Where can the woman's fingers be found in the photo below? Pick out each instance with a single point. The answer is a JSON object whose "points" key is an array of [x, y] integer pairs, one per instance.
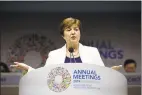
{"points": [[16, 63], [13, 66]]}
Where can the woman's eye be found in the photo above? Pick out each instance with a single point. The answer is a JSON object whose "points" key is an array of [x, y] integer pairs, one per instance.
{"points": [[68, 29], [76, 29]]}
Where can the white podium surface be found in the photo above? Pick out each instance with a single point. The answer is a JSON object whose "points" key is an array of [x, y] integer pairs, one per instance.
{"points": [[73, 79]]}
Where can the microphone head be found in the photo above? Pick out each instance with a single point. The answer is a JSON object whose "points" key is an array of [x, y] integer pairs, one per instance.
{"points": [[71, 50]]}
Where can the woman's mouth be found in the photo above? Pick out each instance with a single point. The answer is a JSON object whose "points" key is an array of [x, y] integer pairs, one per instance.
{"points": [[73, 37]]}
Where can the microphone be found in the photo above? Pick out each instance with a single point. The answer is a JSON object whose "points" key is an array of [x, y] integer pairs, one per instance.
{"points": [[71, 50]]}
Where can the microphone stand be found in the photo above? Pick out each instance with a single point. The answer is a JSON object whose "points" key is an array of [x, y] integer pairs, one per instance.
{"points": [[71, 50]]}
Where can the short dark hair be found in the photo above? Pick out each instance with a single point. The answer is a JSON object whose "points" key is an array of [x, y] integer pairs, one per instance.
{"points": [[129, 61], [68, 22], [4, 66]]}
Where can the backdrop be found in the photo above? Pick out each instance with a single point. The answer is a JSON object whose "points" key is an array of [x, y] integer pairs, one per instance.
{"points": [[117, 36]]}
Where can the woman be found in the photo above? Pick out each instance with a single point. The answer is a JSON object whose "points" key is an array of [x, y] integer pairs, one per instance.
{"points": [[70, 30]]}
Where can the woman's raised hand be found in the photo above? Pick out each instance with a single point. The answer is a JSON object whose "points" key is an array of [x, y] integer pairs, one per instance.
{"points": [[20, 66]]}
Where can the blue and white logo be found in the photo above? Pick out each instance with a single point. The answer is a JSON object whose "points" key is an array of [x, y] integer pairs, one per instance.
{"points": [[86, 79]]}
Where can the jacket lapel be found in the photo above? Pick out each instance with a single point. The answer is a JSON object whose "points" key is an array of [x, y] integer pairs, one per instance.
{"points": [[81, 52], [62, 55]]}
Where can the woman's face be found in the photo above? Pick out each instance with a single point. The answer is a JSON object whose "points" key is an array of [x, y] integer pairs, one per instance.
{"points": [[72, 34]]}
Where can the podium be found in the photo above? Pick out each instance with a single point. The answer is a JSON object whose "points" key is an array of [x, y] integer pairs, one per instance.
{"points": [[73, 79]]}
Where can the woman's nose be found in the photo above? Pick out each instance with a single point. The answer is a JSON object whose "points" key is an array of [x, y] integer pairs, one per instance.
{"points": [[72, 32]]}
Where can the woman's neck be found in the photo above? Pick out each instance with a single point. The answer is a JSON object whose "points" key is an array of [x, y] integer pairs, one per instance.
{"points": [[75, 46]]}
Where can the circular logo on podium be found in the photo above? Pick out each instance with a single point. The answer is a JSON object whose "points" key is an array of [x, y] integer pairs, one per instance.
{"points": [[58, 79]]}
